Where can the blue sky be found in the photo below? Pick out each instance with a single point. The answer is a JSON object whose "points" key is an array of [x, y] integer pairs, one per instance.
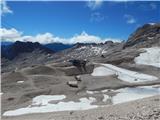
{"points": [[66, 19]]}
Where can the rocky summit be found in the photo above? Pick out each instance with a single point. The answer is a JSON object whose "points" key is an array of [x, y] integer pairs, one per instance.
{"points": [[145, 36]]}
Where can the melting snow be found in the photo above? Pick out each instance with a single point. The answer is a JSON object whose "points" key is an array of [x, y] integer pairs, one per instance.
{"points": [[130, 94], [150, 57], [45, 106], [123, 74], [81, 48], [40, 104], [20, 81], [44, 99], [106, 97], [91, 92], [102, 71], [103, 52], [97, 50]]}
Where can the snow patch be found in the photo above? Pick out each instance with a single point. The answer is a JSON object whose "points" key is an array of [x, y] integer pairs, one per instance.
{"points": [[20, 81], [150, 57], [96, 50], [130, 94], [103, 52], [130, 76], [123, 74], [105, 97], [45, 106], [91, 92], [102, 71], [44, 99], [81, 48]]}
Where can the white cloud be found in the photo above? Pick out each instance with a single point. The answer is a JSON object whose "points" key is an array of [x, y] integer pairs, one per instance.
{"points": [[94, 4], [97, 17], [85, 38], [13, 35], [4, 8], [129, 19], [10, 34]]}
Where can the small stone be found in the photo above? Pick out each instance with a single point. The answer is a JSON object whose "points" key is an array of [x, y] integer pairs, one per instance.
{"points": [[73, 83], [71, 112], [100, 118]]}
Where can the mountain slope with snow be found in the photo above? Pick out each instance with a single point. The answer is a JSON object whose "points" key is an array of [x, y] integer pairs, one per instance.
{"points": [[151, 56]]}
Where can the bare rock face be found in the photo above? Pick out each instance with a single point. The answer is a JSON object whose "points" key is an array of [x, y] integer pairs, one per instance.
{"points": [[145, 36]]}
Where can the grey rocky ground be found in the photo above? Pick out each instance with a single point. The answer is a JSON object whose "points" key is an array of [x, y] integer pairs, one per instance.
{"points": [[48, 75]]}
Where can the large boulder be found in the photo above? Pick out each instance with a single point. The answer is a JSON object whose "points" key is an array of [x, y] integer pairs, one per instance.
{"points": [[73, 83]]}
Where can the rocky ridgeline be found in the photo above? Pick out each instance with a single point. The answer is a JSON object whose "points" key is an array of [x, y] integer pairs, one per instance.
{"points": [[145, 36], [27, 53], [13, 50]]}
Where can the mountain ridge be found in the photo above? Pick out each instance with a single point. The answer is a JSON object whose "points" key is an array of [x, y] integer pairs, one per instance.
{"points": [[13, 50]]}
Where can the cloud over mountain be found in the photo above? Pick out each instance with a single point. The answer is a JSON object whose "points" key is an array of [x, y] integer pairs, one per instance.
{"points": [[13, 35]]}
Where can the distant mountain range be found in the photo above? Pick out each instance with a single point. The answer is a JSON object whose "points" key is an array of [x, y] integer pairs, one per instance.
{"points": [[58, 46], [11, 50], [28, 53]]}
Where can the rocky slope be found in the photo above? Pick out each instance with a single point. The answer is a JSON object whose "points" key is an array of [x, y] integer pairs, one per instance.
{"points": [[87, 51], [22, 54], [145, 36], [123, 78]]}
